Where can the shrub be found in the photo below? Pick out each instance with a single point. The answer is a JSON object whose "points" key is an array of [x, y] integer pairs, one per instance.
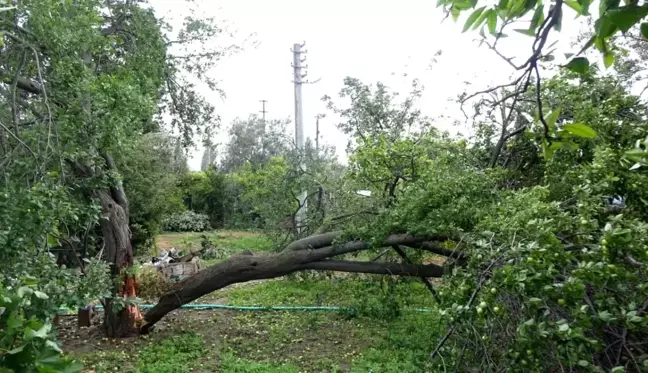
{"points": [[187, 221], [151, 283]]}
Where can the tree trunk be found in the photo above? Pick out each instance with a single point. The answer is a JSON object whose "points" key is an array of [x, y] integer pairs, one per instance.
{"points": [[118, 251]]}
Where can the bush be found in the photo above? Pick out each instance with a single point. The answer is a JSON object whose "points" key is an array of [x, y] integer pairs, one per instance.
{"points": [[187, 221], [152, 284]]}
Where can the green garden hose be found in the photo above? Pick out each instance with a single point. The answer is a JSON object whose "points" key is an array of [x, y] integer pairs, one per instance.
{"points": [[197, 306]]}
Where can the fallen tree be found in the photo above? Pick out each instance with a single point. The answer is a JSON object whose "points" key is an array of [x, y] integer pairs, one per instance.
{"points": [[311, 253]]}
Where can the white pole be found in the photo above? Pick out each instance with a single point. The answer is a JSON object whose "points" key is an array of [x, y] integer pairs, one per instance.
{"points": [[263, 130], [301, 216]]}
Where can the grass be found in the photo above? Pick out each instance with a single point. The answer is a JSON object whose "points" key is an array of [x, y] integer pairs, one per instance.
{"points": [[376, 336], [232, 240], [336, 291], [226, 243], [274, 342]]}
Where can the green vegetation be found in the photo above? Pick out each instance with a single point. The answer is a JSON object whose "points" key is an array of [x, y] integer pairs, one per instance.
{"points": [[187, 221], [376, 337], [27, 343], [535, 228], [229, 241]]}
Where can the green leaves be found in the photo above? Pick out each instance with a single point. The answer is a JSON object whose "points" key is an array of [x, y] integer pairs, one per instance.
{"points": [[644, 30], [536, 20], [581, 130], [27, 343], [574, 5], [605, 5], [579, 65], [604, 28], [472, 18], [614, 18], [580, 6], [526, 32], [24, 291], [538, 17], [552, 118], [481, 19], [608, 59], [51, 344], [492, 21], [549, 149], [626, 17], [40, 333]]}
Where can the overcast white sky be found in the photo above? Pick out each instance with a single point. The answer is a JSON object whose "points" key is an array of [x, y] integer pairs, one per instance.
{"points": [[366, 39]]}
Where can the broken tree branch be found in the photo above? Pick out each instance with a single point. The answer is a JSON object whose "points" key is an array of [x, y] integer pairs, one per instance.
{"points": [[394, 269], [326, 239], [427, 283], [243, 268], [22, 83]]}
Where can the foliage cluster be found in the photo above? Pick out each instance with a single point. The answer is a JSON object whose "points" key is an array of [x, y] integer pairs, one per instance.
{"points": [[187, 221], [151, 170], [210, 192], [28, 343], [152, 283]]}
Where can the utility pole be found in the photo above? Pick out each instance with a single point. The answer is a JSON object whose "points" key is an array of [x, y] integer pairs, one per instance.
{"points": [[302, 214], [263, 124], [263, 110], [317, 131], [317, 134]]}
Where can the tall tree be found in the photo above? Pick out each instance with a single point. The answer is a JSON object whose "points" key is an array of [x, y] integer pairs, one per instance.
{"points": [[254, 140], [81, 81], [209, 156]]}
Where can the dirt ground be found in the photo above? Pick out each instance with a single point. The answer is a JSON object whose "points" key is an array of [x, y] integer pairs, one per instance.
{"points": [[308, 340]]}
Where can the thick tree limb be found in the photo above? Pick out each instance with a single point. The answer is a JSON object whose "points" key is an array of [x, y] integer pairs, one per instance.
{"points": [[116, 190], [326, 239], [22, 83], [313, 242], [395, 269], [5, 92]]}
